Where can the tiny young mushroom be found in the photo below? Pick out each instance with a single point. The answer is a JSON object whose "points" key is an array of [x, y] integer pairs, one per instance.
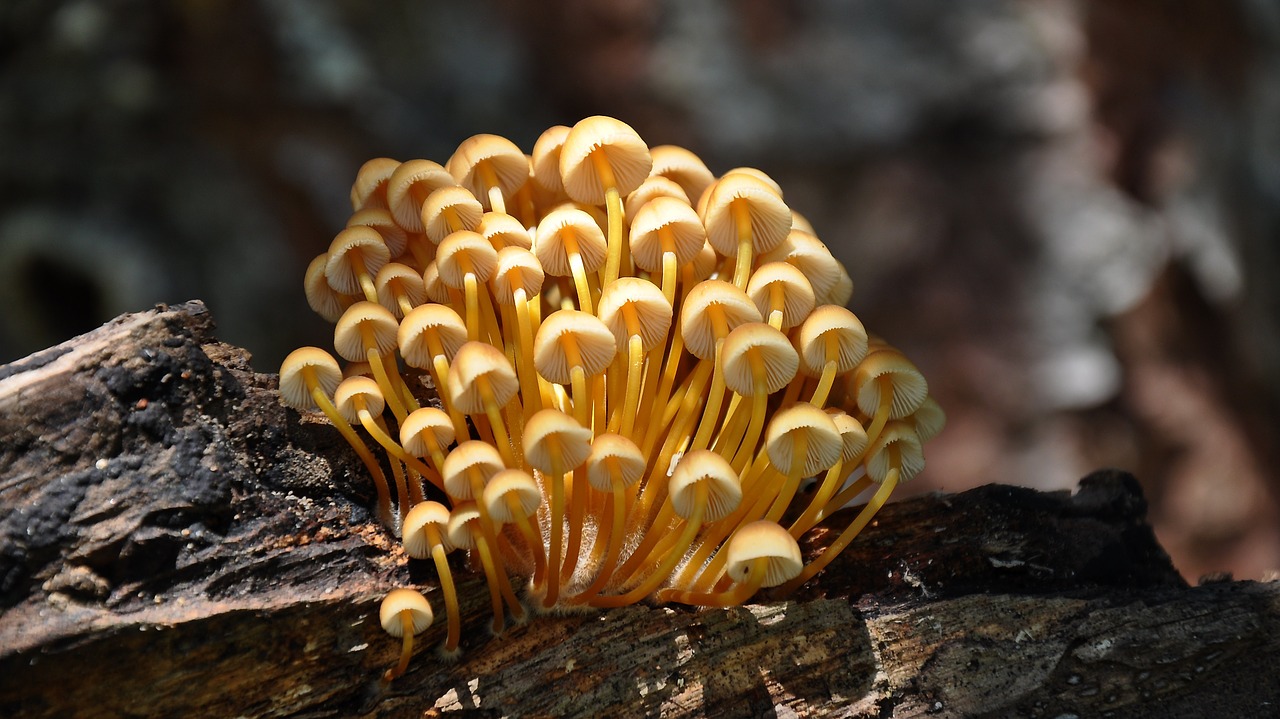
{"points": [[555, 444], [425, 536], [308, 378], [403, 614], [758, 361], [516, 282], [782, 293], [321, 297], [854, 442], [760, 554]]}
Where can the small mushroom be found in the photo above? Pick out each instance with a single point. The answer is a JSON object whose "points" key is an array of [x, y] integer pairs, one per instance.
{"points": [[429, 337], [682, 166], [831, 341], [760, 554], [379, 220], [355, 256], [467, 530], [758, 360], [400, 288], [886, 385], [448, 210], [516, 283], [370, 186], [367, 332], [511, 497], [425, 536], [466, 261], [782, 293], [614, 464], [491, 167], [571, 347], [569, 243], [556, 444], [321, 298], [639, 316], [409, 187], [744, 217], [483, 382], [403, 614]]}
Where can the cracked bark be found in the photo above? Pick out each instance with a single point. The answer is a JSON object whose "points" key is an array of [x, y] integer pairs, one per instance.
{"points": [[174, 542]]}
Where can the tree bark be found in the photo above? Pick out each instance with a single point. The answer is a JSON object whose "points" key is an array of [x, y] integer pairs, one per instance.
{"points": [[175, 542]]}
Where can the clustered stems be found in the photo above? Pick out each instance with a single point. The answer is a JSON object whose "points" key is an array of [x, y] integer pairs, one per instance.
{"points": [[637, 365]]}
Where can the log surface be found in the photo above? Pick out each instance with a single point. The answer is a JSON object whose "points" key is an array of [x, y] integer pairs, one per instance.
{"points": [[174, 542]]}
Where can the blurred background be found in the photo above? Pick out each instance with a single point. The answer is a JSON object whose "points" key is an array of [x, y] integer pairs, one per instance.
{"points": [[1066, 212]]}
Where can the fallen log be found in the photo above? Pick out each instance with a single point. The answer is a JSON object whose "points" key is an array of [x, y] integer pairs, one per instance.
{"points": [[176, 543]]}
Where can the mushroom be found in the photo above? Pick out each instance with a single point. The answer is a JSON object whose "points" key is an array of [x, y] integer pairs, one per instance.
{"points": [[429, 338], [468, 531], [853, 443], [355, 256], [758, 360], [308, 377], [516, 283], [546, 158], [450, 209], [427, 432], [403, 614], [569, 243], [831, 341], [896, 456], [638, 315], [367, 331], [466, 261], [555, 444], [703, 488], [653, 187], [601, 160], [570, 347], [614, 464], [379, 220], [321, 298], [683, 167], [744, 217], [503, 230], [782, 294], [666, 234], [887, 386], [491, 167], [358, 399], [370, 186], [760, 554], [399, 288], [483, 382], [807, 253], [710, 311], [425, 529], [409, 187], [511, 497]]}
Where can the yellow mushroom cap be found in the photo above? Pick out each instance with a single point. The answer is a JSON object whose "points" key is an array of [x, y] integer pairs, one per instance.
{"points": [[705, 262], [321, 298], [464, 526], [619, 451], [511, 483], [293, 388], [824, 441], [836, 321], [928, 419], [517, 268], [705, 301], [759, 174], [546, 158], [479, 254], [357, 369], [503, 230], [797, 293], [909, 386], [724, 491], [437, 291], [549, 243], [347, 337], [801, 223], [441, 320], [466, 208], [595, 343], [405, 600], [423, 426], [370, 186], [416, 542], [763, 540], [509, 164], [812, 258], [352, 392], [682, 166], [852, 434], [627, 155], [652, 311], [770, 216], [654, 186], [472, 454], [396, 276], [686, 229], [379, 220], [408, 188], [373, 252], [480, 359], [551, 428], [842, 290], [770, 346], [898, 437]]}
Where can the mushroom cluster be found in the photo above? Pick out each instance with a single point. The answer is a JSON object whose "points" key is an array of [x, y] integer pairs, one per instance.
{"points": [[646, 383]]}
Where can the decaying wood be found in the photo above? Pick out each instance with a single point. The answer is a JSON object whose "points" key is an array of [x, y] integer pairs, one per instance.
{"points": [[175, 543]]}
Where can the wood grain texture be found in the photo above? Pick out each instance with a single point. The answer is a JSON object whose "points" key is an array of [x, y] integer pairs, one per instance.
{"points": [[176, 543]]}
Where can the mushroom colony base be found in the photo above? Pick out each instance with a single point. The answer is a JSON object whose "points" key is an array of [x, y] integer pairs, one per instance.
{"points": [[646, 382]]}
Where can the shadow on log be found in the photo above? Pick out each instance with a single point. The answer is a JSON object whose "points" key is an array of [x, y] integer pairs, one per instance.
{"points": [[175, 542]]}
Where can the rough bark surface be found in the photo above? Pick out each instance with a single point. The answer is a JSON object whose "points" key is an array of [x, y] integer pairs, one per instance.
{"points": [[174, 542]]}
